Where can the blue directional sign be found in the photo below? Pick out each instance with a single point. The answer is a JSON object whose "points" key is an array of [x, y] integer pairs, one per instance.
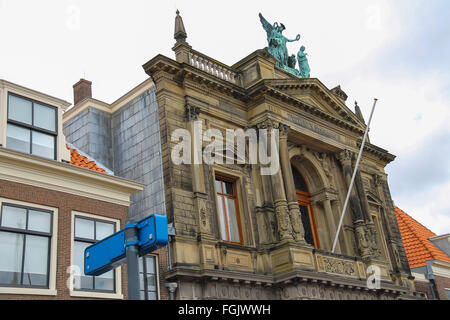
{"points": [[153, 234], [105, 255], [110, 252]]}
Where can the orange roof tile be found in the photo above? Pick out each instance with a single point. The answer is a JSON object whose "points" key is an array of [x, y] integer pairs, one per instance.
{"points": [[77, 159], [415, 239]]}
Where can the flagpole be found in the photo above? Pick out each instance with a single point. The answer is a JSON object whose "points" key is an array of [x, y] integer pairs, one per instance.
{"points": [[353, 177]]}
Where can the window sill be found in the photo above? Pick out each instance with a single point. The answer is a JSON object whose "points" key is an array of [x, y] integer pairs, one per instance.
{"points": [[99, 295], [30, 291]]}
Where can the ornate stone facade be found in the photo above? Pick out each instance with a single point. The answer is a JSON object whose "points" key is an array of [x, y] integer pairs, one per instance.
{"points": [[319, 137]]}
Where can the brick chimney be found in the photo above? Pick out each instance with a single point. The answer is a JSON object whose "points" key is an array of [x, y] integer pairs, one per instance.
{"points": [[82, 90]]}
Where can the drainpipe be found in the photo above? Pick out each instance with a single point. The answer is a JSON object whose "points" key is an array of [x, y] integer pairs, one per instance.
{"points": [[430, 277], [171, 232], [171, 286]]}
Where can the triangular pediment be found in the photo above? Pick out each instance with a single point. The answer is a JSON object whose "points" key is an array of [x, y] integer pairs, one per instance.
{"points": [[312, 92], [372, 198]]}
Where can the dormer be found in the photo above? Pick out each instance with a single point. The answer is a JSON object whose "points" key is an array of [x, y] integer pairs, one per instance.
{"points": [[31, 122]]}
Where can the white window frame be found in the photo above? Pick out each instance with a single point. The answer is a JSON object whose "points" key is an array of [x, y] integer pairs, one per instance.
{"points": [[157, 273], [118, 271], [51, 291]]}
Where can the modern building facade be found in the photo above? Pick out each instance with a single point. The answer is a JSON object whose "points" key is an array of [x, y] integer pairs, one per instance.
{"points": [[54, 202], [428, 256]]}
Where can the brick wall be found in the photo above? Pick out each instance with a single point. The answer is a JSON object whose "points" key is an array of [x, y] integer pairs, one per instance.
{"points": [[65, 203], [424, 286], [441, 284]]}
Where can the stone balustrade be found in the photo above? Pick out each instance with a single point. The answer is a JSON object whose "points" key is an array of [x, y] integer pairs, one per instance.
{"points": [[208, 65]]}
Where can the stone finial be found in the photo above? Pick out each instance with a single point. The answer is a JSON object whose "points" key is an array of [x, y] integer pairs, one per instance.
{"points": [[359, 113], [180, 32]]}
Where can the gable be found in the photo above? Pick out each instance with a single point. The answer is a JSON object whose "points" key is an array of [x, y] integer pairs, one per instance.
{"points": [[314, 93]]}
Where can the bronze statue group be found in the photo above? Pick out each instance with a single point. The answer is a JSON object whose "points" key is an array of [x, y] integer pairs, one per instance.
{"points": [[277, 48]]}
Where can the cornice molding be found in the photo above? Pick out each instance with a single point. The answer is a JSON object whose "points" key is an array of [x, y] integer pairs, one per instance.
{"points": [[50, 174]]}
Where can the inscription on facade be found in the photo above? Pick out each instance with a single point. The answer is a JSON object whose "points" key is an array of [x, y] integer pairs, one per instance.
{"points": [[313, 127]]}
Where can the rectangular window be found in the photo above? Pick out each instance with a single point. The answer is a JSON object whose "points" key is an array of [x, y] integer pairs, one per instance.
{"points": [[32, 127], [148, 277], [25, 235], [87, 232], [229, 218], [448, 293]]}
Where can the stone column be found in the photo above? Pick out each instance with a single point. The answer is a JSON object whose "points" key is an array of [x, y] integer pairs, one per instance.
{"points": [[198, 179], [291, 194], [278, 192], [372, 233], [330, 221], [345, 158], [348, 247]]}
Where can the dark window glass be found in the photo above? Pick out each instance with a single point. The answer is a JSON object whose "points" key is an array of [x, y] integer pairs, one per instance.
{"points": [[31, 127], [148, 278], [309, 237], [25, 235], [87, 232], [298, 181]]}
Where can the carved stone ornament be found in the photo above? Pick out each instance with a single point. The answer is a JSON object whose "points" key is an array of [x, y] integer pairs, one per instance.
{"points": [[345, 156], [373, 239], [298, 231], [376, 179], [336, 266], [192, 112], [362, 243], [284, 226], [268, 124], [284, 130]]}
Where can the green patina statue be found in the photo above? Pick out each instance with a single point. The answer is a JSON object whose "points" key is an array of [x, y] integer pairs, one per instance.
{"points": [[277, 48]]}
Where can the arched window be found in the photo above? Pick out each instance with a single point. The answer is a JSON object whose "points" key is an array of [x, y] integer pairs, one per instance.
{"points": [[306, 211]]}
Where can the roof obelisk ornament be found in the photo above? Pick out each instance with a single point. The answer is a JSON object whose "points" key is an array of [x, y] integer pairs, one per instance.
{"points": [[277, 48], [180, 31], [181, 47]]}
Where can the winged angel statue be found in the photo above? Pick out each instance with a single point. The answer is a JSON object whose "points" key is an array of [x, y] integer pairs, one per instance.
{"points": [[277, 48]]}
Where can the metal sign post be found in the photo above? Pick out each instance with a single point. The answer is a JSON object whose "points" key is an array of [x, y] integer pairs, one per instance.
{"points": [[353, 177], [132, 254], [126, 246]]}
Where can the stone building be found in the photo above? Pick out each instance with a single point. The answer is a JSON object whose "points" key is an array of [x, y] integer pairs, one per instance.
{"points": [[428, 257], [240, 234]]}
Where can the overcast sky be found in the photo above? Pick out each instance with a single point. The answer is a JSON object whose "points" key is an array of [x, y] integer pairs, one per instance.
{"points": [[397, 51]]}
